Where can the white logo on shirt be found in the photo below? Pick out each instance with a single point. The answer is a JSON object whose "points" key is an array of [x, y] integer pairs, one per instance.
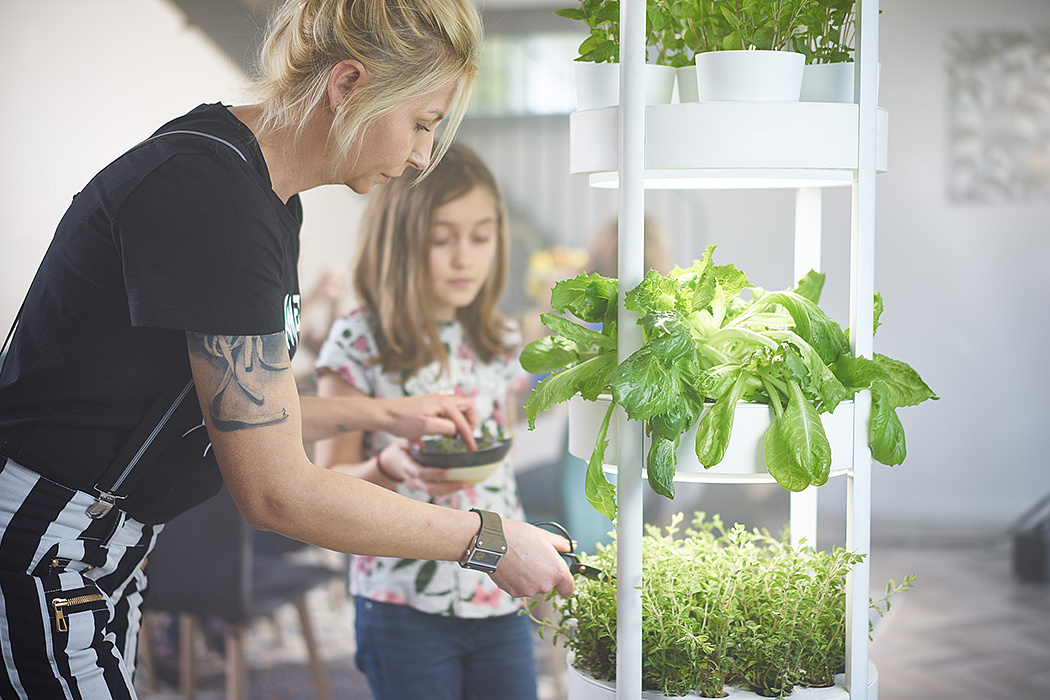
{"points": [[291, 320]]}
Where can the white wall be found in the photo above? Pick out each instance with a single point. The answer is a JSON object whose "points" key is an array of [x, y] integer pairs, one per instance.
{"points": [[965, 290], [83, 81], [964, 285]]}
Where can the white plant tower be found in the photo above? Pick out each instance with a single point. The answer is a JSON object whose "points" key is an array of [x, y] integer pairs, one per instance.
{"points": [[805, 146]]}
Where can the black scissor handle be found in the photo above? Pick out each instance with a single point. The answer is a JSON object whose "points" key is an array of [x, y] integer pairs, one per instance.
{"points": [[571, 558]]}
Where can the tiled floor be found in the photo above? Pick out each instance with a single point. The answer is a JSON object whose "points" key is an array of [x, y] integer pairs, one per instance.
{"points": [[967, 631]]}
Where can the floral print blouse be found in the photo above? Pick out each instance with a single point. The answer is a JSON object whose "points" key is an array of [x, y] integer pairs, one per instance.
{"points": [[437, 587]]}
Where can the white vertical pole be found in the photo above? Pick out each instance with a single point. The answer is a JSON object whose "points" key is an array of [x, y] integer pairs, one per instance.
{"points": [[803, 518], [629, 268], [808, 231], [862, 294]]}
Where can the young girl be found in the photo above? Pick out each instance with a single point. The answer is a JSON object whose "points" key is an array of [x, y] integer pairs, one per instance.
{"points": [[428, 323]]}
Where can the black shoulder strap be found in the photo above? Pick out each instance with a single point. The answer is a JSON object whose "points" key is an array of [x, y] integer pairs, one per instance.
{"points": [[11, 333], [148, 438], [145, 443]]}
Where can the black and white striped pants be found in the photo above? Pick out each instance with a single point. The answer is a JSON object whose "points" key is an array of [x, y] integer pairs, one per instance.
{"points": [[70, 592]]}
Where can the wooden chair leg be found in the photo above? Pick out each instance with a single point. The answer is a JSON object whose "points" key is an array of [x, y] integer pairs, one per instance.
{"points": [[188, 627], [236, 664], [145, 651], [316, 664]]}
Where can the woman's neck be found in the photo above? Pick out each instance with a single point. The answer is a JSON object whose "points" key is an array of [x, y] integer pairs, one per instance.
{"points": [[296, 164]]}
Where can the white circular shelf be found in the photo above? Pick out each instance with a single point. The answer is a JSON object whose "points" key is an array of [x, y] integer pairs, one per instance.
{"points": [[744, 460], [720, 145], [581, 686]]}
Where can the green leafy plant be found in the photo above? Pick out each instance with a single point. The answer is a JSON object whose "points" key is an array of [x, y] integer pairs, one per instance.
{"points": [[719, 607], [705, 348], [491, 433], [772, 25], [704, 27], [829, 33], [680, 29], [664, 43], [602, 18]]}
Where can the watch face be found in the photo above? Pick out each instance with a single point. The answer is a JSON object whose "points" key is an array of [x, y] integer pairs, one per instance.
{"points": [[484, 558]]}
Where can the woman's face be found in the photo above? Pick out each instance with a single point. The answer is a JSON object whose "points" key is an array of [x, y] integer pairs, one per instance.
{"points": [[398, 140], [464, 238]]}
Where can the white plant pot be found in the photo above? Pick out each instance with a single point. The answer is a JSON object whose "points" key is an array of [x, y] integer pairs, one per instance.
{"points": [[831, 82], [745, 455], [582, 686], [749, 76], [686, 81], [598, 84]]}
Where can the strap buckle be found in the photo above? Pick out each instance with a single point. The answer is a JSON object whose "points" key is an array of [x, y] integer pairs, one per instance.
{"points": [[102, 505]]}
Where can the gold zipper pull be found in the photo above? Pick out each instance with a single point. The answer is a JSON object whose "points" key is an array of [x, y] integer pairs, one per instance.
{"points": [[59, 604], [60, 615]]}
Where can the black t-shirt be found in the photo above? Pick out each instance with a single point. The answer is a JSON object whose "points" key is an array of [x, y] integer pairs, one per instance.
{"points": [[181, 233]]}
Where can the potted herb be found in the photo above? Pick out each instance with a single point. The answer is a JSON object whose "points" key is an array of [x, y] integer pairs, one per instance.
{"points": [[721, 609], [757, 59], [827, 43], [597, 66], [705, 349], [684, 29]]}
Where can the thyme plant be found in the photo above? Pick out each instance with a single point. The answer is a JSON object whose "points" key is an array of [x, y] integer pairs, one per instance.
{"points": [[719, 607]]}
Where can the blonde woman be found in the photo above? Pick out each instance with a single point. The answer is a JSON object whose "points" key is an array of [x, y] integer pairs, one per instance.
{"points": [[178, 261]]}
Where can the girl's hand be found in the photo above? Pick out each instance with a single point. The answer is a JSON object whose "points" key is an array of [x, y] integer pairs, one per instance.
{"points": [[413, 417], [397, 466]]}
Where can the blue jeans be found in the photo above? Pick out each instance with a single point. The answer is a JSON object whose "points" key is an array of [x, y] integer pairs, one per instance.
{"points": [[409, 654]]}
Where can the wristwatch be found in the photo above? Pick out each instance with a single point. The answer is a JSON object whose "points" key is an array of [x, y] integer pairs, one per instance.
{"points": [[488, 546]]}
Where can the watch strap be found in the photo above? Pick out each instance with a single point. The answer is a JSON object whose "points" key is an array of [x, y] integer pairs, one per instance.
{"points": [[490, 536], [488, 546]]}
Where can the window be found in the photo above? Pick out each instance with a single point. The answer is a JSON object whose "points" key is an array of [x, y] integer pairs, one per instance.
{"points": [[526, 74]]}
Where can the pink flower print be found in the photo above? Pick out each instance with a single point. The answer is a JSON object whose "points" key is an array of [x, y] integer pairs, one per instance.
{"points": [[450, 501], [485, 596], [517, 384], [497, 415], [361, 344], [364, 565], [344, 373], [465, 352], [386, 596]]}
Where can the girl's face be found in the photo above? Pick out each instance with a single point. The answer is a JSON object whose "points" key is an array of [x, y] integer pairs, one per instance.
{"points": [[464, 238]]}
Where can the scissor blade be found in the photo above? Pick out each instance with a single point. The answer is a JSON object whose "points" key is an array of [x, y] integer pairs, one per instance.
{"points": [[592, 573]]}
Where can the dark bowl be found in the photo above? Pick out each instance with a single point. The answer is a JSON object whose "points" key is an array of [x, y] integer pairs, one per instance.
{"points": [[428, 457]]}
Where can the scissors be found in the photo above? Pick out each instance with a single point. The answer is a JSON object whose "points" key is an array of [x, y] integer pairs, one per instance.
{"points": [[572, 559]]}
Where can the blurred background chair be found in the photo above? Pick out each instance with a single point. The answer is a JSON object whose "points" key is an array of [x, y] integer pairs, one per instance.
{"points": [[208, 564]]}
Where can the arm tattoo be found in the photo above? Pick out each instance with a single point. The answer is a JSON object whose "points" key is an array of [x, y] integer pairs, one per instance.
{"points": [[245, 368]]}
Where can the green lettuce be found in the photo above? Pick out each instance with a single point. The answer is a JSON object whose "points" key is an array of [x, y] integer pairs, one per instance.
{"points": [[707, 346]]}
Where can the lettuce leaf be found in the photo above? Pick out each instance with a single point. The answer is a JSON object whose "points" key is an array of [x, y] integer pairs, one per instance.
{"points": [[704, 344]]}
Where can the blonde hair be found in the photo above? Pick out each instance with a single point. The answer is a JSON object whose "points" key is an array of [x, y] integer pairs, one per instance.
{"points": [[409, 48], [392, 275]]}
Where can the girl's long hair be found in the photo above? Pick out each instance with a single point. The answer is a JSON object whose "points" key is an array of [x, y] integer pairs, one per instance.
{"points": [[392, 275]]}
